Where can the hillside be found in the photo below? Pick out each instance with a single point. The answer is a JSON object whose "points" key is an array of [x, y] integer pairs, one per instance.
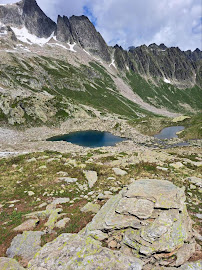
{"points": [[53, 70]]}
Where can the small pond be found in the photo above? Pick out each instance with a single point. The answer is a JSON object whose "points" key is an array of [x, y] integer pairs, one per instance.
{"points": [[169, 132], [89, 138]]}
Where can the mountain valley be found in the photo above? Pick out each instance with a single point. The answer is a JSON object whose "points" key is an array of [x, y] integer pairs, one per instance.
{"points": [[75, 202]]}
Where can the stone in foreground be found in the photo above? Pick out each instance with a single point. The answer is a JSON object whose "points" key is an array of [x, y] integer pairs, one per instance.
{"points": [[76, 252], [25, 245], [91, 207], [148, 219], [62, 223], [92, 177], [28, 225], [9, 264], [119, 171]]}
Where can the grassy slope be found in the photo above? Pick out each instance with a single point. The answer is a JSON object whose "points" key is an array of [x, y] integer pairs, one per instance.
{"points": [[153, 125], [89, 85], [166, 95]]}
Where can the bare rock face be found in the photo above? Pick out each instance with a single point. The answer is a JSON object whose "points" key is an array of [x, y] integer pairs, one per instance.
{"points": [[85, 34], [148, 219], [73, 251], [25, 245], [9, 264], [145, 226], [64, 33], [27, 13], [80, 30]]}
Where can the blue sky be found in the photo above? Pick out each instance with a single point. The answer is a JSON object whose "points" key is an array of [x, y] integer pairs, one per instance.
{"points": [[136, 22]]}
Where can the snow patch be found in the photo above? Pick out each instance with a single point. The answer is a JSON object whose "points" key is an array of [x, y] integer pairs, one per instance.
{"points": [[57, 44], [3, 33], [24, 36], [112, 63], [87, 52], [71, 47], [166, 80], [21, 46]]}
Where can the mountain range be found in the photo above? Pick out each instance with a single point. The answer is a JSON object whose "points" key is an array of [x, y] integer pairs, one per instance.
{"points": [[52, 71]]}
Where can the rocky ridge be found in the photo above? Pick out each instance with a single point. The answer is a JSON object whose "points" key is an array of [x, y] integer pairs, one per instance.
{"points": [[70, 59], [27, 13]]}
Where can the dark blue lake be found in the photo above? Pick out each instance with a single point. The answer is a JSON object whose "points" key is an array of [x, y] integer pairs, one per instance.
{"points": [[169, 132], [89, 138]]}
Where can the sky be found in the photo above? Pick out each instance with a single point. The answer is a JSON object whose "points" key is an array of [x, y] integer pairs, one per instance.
{"points": [[127, 23]]}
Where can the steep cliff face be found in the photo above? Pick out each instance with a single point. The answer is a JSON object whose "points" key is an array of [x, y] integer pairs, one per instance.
{"points": [[159, 62], [80, 30], [63, 32], [12, 14], [27, 14], [86, 35]]}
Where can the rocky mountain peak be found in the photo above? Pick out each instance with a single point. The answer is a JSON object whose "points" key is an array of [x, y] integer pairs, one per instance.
{"points": [[27, 14], [84, 33], [80, 29], [162, 46], [63, 32]]}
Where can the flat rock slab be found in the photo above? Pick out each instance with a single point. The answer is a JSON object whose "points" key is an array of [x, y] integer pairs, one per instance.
{"points": [[177, 165], [152, 219], [28, 225], [164, 194], [107, 218], [53, 218], [9, 264], [92, 177], [60, 201], [91, 207], [140, 208], [119, 172], [25, 245], [62, 223], [187, 266], [72, 251], [68, 180]]}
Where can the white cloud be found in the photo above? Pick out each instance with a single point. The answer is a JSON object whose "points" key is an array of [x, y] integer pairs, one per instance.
{"points": [[133, 22], [129, 22]]}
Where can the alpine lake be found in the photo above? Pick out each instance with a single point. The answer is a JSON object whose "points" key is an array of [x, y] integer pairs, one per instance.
{"points": [[94, 138]]}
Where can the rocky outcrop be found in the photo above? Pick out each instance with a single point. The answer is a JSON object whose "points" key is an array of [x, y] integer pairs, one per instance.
{"points": [[9, 264], [80, 30], [170, 64], [73, 251], [86, 35], [27, 13], [25, 245], [63, 32], [145, 226], [149, 219], [91, 177]]}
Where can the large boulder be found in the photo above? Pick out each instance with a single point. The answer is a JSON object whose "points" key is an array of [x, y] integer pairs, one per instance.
{"points": [[148, 219], [9, 264], [25, 245], [76, 252]]}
